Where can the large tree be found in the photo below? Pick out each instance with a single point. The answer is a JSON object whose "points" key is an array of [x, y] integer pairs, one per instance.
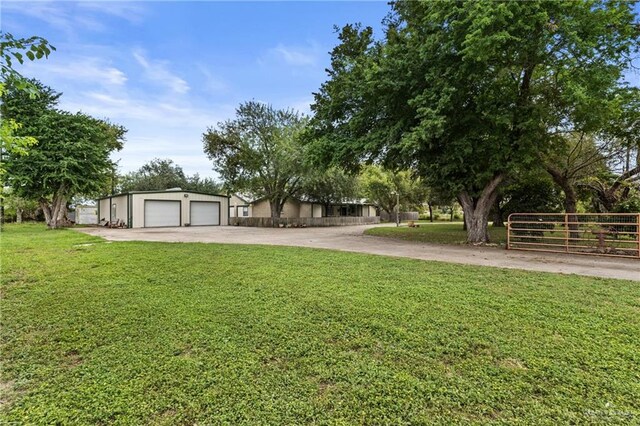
{"points": [[70, 159], [159, 174], [330, 186], [467, 92], [384, 188], [259, 153], [16, 50]]}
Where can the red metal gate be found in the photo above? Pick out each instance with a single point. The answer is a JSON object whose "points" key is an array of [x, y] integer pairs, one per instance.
{"points": [[600, 234]]}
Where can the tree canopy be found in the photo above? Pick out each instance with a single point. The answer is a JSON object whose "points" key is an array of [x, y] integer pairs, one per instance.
{"points": [[468, 92], [330, 186], [72, 156], [160, 174], [384, 188], [17, 49], [259, 152]]}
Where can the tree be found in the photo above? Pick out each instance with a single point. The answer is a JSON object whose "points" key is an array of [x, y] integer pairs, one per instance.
{"points": [[259, 153], [575, 161], [13, 49], [330, 186], [384, 188], [71, 158], [160, 174], [468, 92], [532, 191], [16, 49], [19, 208]]}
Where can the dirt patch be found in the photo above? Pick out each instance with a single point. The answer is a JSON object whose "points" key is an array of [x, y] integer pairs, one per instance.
{"points": [[72, 359], [511, 364]]}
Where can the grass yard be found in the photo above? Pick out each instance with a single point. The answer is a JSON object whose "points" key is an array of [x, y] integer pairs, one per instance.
{"points": [[159, 333], [437, 232]]}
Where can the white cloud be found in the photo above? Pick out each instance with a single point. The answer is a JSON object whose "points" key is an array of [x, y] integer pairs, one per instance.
{"points": [[89, 69], [157, 129], [158, 72], [212, 84], [132, 12], [69, 17], [47, 11], [296, 56]]}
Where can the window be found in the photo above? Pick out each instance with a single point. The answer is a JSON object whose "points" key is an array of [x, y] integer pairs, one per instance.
{"points": [[245, 211]]}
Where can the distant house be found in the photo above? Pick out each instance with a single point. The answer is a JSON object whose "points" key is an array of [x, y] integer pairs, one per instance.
{"points": [[243, 206]]}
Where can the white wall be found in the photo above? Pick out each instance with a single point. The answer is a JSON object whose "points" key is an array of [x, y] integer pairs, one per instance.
{"points": [[139, 198]]}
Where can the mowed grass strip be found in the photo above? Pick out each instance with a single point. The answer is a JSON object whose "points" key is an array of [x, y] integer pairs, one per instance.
{"points": [[437, 232], [159, 333]]}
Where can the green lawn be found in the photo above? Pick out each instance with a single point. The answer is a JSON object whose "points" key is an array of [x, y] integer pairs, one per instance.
{"points": [[437, 232], [159, 333]]}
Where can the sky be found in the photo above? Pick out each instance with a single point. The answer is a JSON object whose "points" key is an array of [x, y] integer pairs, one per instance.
{"points": [[169, 70]]}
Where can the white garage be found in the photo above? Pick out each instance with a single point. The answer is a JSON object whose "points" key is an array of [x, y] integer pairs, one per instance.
{"points": [[205, 213], [158, 213], [153, 209]]}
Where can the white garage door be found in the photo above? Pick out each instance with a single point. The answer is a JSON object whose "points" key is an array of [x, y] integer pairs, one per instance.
{"points": [[205, 213], [161, 213]]}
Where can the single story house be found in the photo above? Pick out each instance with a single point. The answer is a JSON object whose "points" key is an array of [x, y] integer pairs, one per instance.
{"points": [[243, 206], [240, 206], [173, 207]]}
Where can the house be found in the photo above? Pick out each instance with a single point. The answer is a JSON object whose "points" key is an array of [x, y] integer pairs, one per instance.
{"points": [[173, 207], [244, 206], [239, 206]]}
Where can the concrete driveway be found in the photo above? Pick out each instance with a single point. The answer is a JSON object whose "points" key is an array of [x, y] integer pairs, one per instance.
{"points": [[351, 238]]}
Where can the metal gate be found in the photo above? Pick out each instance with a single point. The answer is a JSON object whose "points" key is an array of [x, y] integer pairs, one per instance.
{"points": [[599, 234]]}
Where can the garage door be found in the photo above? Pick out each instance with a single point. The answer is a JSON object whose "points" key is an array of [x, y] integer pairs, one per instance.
{"points": [[161, 213], [205, 213]]}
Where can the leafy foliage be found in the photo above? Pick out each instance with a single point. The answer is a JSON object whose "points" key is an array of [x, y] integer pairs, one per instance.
{"points": [[70, 159], [330, 186], [381, 187], [259, 152], [467, 92], [533, 192], [160, 174], [16, 49]]}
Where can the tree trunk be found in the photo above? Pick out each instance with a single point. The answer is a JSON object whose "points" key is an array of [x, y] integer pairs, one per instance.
{"points": [[55, 213], [451, 218], [498, 216], [46, 210], [570, 198], [18, 215], [430, 212], [276, 211], [476, 211]]}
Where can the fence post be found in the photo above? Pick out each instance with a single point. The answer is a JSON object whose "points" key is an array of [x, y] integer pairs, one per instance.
{"points": [[638, 233], [566, 233], [509, 232]]}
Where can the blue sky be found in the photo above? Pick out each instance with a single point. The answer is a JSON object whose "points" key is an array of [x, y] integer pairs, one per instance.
{"points": [[168, 70]]}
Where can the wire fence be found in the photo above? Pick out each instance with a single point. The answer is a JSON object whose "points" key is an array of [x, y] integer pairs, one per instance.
{"points": [[599, 234]]}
